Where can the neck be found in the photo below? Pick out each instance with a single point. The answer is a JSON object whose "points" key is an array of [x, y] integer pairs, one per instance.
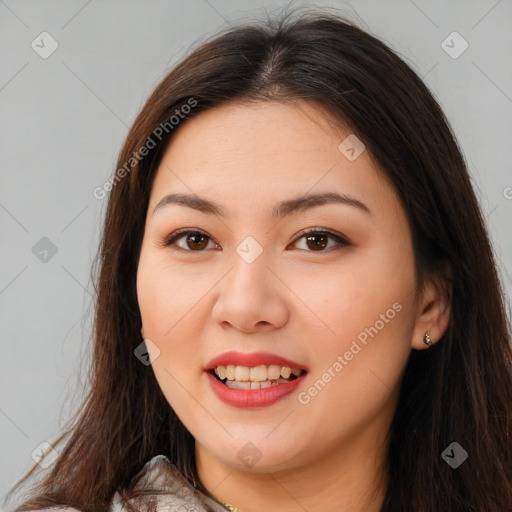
{"points": [[349, 478]]}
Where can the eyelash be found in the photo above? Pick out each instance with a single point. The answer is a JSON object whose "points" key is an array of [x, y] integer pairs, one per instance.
{"points": [[180, 233]]}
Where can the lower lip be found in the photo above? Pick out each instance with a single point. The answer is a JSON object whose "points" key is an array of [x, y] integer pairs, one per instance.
{"points": [[245, 398]]}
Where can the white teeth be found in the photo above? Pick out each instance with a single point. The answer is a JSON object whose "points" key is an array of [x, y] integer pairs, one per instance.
{"points": [[242, 373], [274, 371], [234, 384], [286, 372], [262, 376], [230, 372], [258, 373]]}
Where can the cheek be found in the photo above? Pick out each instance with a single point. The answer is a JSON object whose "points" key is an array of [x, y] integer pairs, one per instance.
{"points": [[166, 307], [366, 316], [168, 295], [357, 373], [362, 300], [170, 322]]}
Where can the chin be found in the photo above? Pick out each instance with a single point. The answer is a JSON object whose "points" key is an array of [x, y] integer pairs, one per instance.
{"points": [[257, 456]]}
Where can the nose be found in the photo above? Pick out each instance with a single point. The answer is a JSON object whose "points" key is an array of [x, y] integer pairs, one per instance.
{"points": [[251, 298]]}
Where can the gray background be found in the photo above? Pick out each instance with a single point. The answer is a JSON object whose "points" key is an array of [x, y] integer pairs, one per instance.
{"points": [[63, 120]]}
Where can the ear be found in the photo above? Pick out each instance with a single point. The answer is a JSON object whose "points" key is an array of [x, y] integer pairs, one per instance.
{"points": [[434, 308], [142, 332]]}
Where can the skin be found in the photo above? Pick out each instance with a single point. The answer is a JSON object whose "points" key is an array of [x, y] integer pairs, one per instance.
{"points": [[295, 301]]}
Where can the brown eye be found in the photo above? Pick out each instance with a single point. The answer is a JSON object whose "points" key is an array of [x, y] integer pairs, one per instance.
{"points": [[317, 240], [194, 241]]}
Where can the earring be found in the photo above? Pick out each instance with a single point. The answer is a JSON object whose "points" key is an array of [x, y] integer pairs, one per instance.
{"points": [[427, 339]]}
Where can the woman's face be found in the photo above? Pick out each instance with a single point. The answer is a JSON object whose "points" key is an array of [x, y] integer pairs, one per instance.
{"points": [[338, 304]]}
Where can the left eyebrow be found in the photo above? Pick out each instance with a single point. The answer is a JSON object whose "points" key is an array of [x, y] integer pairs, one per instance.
{"points": [[281, 210], [312, 200]]}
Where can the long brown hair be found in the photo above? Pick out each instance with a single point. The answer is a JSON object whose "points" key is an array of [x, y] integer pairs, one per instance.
{"points": [[458, 390]]}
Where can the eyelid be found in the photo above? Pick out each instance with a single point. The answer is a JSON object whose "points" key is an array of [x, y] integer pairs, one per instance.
{"points": [[342, 240]]}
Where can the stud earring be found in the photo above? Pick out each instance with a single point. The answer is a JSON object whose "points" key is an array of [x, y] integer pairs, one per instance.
{"points": [[427, 339]]}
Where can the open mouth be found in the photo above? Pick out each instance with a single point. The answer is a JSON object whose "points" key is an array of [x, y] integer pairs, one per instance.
{"points": [[257, 377]]}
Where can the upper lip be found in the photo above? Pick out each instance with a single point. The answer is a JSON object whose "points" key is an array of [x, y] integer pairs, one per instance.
{"points": [[251, 359]]}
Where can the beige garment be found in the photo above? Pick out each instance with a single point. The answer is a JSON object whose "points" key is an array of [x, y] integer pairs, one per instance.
{"points": [[162, 475]]}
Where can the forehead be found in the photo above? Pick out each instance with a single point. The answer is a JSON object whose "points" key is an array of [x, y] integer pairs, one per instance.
{"points": [[245, 130], [266, 151]]}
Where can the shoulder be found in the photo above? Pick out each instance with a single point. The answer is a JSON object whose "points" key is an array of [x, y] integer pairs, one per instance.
{"points": [[159, 473], [61, 508]]}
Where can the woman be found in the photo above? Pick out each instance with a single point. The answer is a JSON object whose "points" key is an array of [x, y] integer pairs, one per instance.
{"points": [[293, 232]]}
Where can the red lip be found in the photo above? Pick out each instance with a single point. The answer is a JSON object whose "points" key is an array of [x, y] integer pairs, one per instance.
{"points": [[252, 359], [246, 398]]}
